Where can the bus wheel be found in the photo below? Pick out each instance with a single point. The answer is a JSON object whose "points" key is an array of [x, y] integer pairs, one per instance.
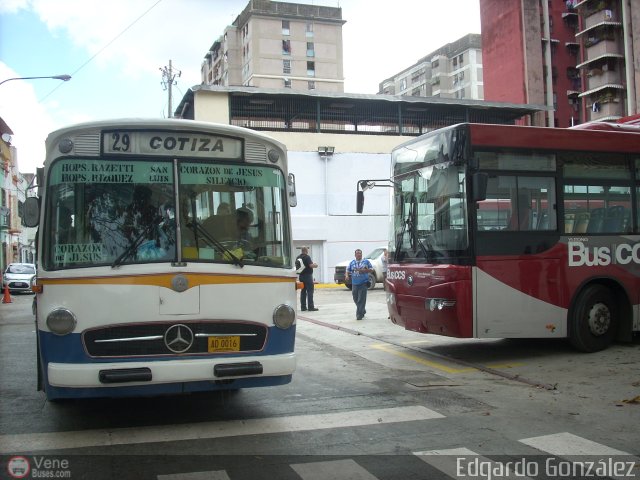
{"points": [[594, 320]]}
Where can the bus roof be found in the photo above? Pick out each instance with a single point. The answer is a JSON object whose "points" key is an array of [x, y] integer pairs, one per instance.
{"points": [[623, 138], [163, 123]]}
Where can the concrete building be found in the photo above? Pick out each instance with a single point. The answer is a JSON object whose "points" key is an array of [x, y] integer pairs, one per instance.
{"points": [[361, 130], [16, 240], [610, 39], [452, 71], [279, 45], [576, 57]]}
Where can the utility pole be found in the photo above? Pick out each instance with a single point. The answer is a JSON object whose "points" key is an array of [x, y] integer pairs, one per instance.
{"points": [[168, 80]]}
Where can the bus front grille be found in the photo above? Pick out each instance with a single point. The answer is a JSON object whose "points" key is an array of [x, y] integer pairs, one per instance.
{"points": [[177, 338]]}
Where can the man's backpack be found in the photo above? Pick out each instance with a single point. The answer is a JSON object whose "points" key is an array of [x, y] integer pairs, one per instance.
{"points": [[299, 265]]}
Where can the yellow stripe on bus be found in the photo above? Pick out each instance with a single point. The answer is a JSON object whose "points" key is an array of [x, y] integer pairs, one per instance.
{"points": [[164, 280]]}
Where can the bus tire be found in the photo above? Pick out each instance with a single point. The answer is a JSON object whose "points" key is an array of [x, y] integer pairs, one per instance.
{"points": [[594, 319]]}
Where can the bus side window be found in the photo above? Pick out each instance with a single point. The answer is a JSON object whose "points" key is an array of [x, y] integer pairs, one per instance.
{"points": [[596, 220]]}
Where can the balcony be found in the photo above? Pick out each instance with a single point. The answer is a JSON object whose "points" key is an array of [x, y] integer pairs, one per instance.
{"points": [[598, 78], [598, 48], [606, 111], [602, 16]]}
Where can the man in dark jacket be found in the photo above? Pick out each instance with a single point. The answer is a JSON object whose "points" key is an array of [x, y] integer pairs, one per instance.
{"points": [[306, 277]]}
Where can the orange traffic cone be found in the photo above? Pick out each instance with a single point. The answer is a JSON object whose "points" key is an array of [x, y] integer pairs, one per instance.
{"points": [[7, 295]]}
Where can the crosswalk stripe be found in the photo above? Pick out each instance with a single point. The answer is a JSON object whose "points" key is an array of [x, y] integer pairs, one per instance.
{"points": [[456, 463], [214, 475], [335, 470], [33, 442], [566, 443]]}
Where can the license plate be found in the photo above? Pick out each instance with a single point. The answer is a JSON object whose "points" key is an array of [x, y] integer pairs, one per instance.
{"points": [[223, 344]]}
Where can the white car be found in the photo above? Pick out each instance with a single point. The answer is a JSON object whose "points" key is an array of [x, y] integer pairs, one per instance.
{"points": [[18, 276], [375, 257]]}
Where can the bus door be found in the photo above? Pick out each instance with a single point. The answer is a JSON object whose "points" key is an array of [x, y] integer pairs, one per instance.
{"points": [[516, 281]]}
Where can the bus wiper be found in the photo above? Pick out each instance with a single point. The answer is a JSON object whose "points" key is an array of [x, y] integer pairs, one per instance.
{"points": [[133, 246], [198, 230]]}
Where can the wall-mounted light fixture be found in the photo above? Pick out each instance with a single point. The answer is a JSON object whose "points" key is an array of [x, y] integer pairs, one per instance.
{"points": [[326, 151]]}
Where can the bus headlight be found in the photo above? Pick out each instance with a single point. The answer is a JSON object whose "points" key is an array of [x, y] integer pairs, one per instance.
{"points": [[434, 304], [61, 321], [284, 316]]}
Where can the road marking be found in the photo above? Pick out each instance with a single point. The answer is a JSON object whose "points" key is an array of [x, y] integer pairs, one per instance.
{"points": [[335, 470], [32, 442], [415, 358], [456, 463], [566, 443], [213, 475], [439, 366]]}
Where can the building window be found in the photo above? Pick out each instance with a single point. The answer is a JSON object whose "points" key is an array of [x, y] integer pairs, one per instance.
{"points": [[287, 83], [312, 85], [286, 66], [403, 84], [310, 50], [286, 47], [285, 27], [309, 29], [311, 69]]}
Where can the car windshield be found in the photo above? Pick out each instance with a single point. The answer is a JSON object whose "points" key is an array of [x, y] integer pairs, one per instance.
{"points": [[22, 269], [375, 254]]}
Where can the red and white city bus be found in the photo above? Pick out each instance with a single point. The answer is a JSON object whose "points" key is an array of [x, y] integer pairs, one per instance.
{"points": [[505, 231]]}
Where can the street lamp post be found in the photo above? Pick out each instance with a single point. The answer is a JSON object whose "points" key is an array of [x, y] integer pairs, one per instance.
{"points": [[64, 78]]}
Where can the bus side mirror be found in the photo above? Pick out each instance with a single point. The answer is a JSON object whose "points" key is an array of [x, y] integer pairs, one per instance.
{"points": [[360, 201], [479, 186], [291, 190], [31, 212]]}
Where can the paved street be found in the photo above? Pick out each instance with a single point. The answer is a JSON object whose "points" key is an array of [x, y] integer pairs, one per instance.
{"points": [[368, 400]]}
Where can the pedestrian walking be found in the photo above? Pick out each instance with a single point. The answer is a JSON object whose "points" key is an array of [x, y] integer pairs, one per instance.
{"points": [[358, 270], [305, 272]]}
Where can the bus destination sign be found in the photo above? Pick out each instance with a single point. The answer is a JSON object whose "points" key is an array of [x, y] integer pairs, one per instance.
{"points": [[174, 144]]}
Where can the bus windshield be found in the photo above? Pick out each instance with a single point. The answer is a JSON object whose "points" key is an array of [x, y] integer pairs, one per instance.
{"points": [[429, 207], [124, 212]]}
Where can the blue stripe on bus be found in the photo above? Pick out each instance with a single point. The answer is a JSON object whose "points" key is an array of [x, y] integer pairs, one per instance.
{"points": [[68, 349], [54, 393]]}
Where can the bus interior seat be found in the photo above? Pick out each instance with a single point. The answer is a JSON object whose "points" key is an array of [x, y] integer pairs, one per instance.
{"points": [[596, 221], [582, 222], [569, 221], [616, 219]]}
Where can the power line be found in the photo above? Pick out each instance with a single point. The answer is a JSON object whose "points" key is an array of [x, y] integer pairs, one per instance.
{"points": [[106, 46]]}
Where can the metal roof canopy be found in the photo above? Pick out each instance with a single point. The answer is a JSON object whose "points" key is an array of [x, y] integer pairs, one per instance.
{"points": [[327, 112]]}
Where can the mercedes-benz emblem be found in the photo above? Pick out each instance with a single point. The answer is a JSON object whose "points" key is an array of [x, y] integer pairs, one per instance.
{"points": [[178, 338]]}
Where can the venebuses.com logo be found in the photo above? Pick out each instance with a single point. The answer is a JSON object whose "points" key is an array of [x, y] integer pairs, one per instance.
{"points": [[18, 467]]}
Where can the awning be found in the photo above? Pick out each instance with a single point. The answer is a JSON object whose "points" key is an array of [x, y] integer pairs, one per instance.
{"points": [[600, 57], [602, 87], [601, 24]]}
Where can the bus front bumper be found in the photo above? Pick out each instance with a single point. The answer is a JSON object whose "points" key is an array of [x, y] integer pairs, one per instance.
{"points": [[74, 375]]}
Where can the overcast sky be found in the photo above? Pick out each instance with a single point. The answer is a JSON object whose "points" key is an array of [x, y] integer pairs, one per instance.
{"points": [[115, 49]]}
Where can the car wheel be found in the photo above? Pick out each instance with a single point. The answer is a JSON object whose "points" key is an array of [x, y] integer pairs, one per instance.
{"points": [[372, 281]]}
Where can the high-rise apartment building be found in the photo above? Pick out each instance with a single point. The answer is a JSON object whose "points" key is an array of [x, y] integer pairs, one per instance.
{"points": [[576, 57], [452, 71], [279, 45], [610, 38]]}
